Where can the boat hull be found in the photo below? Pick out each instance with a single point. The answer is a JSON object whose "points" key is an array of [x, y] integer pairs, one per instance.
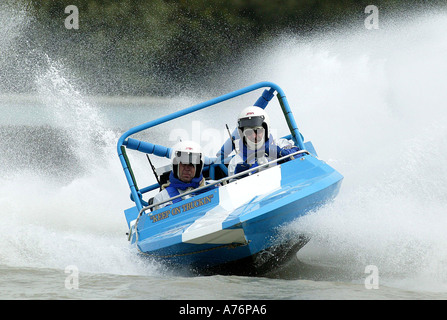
{"points": [[239, 227]]}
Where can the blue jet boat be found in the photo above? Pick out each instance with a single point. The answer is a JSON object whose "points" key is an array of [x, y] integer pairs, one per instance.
{"points": [[233, 224]]}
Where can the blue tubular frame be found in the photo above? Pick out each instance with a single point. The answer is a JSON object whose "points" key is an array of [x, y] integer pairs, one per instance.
{"points": [[164, 151]]}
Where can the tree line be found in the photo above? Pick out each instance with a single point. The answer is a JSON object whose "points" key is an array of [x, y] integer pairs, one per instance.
{"points": [[138, 46]]}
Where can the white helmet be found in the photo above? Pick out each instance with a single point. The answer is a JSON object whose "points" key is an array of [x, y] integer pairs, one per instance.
{"points": [[187, 152], [253, 117]]}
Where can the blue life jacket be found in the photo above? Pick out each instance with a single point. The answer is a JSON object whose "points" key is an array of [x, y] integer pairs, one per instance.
{"points": [[176, 184], [271, 150]]}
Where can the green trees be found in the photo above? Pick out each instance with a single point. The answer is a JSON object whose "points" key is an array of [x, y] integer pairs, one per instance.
{"points": [[140, 46]]}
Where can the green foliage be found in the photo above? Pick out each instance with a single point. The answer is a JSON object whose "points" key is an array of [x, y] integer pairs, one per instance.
{"points": [[139, 46]]}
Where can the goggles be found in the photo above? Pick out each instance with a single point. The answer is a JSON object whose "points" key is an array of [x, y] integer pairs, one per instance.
{"points": [[187, 157], [248, 132]]}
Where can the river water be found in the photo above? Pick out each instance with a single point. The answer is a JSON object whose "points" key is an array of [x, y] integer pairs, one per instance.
{"points": [[373, 102]]}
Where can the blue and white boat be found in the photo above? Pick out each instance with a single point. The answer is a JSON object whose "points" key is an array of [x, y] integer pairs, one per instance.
{"points": [[231, 225]]}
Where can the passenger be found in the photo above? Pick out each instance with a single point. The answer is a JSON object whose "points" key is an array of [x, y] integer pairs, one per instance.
{"points": [[186, 173], [256, 145]]}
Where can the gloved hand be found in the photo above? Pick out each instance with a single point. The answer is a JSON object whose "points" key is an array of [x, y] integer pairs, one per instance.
{"points": [[286, 151], [240, 167]]}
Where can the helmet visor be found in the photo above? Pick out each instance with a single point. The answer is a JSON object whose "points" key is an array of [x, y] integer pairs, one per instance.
{"points": [[186, 157], [251, 122]]}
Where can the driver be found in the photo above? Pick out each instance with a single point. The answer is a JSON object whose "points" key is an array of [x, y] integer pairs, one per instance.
{"points": [[186, 174]]}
